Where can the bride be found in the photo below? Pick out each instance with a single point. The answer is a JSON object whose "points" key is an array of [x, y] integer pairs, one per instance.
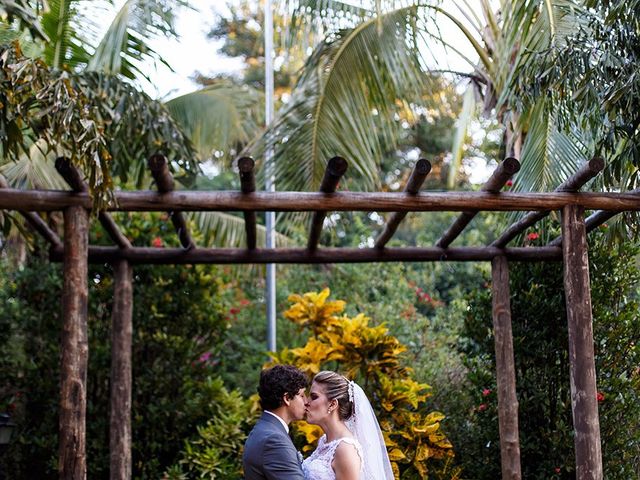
{"points": [[352, 447]]}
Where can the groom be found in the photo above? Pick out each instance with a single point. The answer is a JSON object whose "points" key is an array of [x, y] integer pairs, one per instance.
{"points": [[269, 453]]}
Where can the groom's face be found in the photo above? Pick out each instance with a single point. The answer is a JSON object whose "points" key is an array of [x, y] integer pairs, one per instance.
{"points": [[297, 404]]}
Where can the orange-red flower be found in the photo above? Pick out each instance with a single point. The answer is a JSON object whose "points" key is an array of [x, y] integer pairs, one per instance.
{"points": [[600, 396], [156, 242], [533, 236]]}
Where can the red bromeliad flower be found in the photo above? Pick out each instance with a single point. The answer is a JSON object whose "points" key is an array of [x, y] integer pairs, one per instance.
{"points": [[486, 392], [600, 397], [557, 469], [509, 183], [533, 236], [234, 311], [482, 407], [156, 242]]}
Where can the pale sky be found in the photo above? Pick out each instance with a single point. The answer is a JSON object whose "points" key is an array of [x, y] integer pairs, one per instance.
{"points": [[191, 52]]}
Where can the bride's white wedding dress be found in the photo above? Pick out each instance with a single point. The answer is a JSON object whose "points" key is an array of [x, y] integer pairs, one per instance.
{"points": [[318, 465], [369, 443]]}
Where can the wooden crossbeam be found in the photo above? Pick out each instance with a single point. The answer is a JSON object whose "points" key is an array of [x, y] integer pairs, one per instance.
{"points": [[418, 176], [571, 185], [248, 185], [184, 200], [332, 175], [148, 255], [591, 222], [73, 177], [36, 221], [509, 167], [165, 184]]}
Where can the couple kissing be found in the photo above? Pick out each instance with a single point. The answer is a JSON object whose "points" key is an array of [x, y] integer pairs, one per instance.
{"points": [[352, 447]]}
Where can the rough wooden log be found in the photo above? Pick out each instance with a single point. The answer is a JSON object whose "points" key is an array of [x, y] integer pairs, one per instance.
{"points": [[38, 224], [120, 409], [74, 347], [571, 185], [592, 221], [165, 184], [73, 177], [507, 169], [332, 175], [248, 185], [145, 201], [417, 178], [505, 370], [582, 368], [147, 255]]}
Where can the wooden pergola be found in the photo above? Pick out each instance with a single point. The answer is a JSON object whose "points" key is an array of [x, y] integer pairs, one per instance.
{"points": [[76, 253]]}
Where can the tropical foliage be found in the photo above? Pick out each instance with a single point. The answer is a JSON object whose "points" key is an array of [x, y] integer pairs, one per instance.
{"points": [[542, 371], [180, 320], [372, 357]]}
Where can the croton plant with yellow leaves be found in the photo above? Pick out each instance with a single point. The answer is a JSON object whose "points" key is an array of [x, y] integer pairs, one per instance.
{"points": [[368, 354]]}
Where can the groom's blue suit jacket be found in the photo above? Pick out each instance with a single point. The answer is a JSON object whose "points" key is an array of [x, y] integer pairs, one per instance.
{"points": [[269, 453]]}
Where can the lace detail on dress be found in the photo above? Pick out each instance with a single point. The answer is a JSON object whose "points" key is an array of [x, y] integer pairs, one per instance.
{"points": [[318, 465]]}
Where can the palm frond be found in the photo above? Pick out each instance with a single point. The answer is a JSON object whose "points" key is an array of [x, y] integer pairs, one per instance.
{"points": [[125, 46], [34, 171], [224, 229], [549, 156], [219, 118], [66, 45], [334, 111]]}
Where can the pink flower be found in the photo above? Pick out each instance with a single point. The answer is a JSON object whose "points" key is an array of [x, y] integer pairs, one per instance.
{"points": [[204, 357], [557, 469], [486, 392], [156, 242], [533, 236], [600, 397], [482, 407], [509, 183]]}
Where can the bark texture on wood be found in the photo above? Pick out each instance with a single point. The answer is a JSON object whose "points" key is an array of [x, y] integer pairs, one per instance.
{"points": [[185, 200], [572, 184], [332, 175], [418, 176], [508, 168], [323, 255], [584, 403], [248, 185], [505, 370], [121, 334], [75, 350]]}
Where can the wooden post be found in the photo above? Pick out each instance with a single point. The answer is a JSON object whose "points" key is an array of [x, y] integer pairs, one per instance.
{"points": [[121, 333], [505, 370], [584, 403], [75, 349]]}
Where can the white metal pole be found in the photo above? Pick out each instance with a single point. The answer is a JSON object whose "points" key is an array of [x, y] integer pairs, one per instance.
{"points": [[270, 180]]}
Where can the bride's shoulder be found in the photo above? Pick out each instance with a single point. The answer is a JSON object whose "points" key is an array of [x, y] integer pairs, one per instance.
{"points": [[348, 455]]}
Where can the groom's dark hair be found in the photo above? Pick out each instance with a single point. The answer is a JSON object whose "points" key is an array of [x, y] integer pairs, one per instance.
{"points": [[278, 381]]}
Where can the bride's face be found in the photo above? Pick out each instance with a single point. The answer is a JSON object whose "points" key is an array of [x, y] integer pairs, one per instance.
{"points": [[317, 404]]}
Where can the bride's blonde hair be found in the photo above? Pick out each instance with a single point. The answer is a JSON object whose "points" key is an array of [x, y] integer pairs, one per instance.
{"points": [[336, 386]]}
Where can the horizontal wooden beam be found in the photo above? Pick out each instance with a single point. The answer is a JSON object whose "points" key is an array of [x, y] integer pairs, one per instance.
{"points": [[147, 201], [150, 255], [36, 221], [570, 185]]}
